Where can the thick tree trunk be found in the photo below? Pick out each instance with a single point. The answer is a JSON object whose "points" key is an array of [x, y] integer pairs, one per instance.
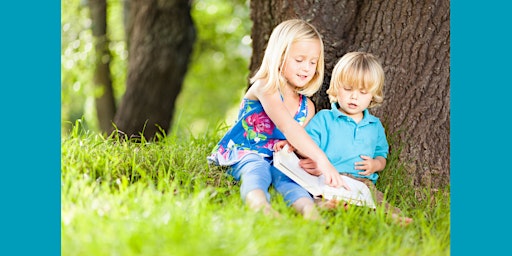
{"points": [[103, 91], [161, 40], [412, 40]]}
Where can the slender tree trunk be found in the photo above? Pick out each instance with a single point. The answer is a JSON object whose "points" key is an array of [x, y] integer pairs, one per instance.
{"points": [[160, 38], [412, 40], [103, 92]]}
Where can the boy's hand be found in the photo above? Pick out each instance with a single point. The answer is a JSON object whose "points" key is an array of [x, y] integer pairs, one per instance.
{"points": [[332, 177], [368, 165], [310, 166], [280, 145]]}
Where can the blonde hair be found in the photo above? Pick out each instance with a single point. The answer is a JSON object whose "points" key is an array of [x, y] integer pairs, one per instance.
{"points": [[278, 45], [360, 70]]}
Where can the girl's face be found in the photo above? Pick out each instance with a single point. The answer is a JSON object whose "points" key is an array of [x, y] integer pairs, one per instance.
{"points": [[353, 101], [300, 65]]}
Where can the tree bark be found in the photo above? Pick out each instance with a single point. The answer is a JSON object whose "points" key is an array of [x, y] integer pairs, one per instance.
{"points": [[103, 91], [412, 40], [161, 38], [127, 21]]}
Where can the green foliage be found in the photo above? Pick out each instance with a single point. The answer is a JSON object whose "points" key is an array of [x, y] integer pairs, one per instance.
{"points": [[77, 58], [124, 198], [213, 85], [218, 74]]}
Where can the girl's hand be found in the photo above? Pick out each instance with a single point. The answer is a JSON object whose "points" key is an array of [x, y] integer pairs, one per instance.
{"points": [[333, 178]]}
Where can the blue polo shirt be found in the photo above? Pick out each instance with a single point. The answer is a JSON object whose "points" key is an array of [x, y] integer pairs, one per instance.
{"points": [[343, 140]]}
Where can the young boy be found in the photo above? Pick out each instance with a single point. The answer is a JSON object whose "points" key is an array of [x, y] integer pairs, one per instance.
{"points": [[352, 138]]}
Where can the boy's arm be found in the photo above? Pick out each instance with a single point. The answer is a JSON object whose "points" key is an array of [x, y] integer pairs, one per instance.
{"points": [[314, 130], [382, 148], [310, 166], [370, 165], [381, 163], [315, 127]]}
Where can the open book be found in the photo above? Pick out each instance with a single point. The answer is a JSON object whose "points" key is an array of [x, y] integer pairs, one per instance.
{"points": [[288, 163]]}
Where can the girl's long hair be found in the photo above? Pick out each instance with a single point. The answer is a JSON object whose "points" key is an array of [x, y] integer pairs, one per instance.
{"points": [[278, 45]]}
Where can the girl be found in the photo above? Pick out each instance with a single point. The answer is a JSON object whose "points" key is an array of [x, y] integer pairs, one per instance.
{"points": [[275, 107]]}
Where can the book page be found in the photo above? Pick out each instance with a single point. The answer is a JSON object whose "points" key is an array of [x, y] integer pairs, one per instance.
{"points": [[288, 163], [359, 194]]}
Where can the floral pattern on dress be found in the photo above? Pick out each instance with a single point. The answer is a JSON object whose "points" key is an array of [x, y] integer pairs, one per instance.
{"points": [[253, 133], [257, 125]]}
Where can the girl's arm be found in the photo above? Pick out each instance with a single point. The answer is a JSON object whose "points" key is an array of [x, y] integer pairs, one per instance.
{"points": [[294, 133]]}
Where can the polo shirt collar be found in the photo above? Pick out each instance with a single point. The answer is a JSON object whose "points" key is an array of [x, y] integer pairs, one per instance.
{"points": [[367, 117]]}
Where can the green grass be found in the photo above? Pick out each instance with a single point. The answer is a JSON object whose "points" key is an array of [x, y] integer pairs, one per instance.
{"points": [[162, 198]]}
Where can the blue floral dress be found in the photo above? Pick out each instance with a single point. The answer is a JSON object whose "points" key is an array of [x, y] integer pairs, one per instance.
{"points": [[253, 133]]}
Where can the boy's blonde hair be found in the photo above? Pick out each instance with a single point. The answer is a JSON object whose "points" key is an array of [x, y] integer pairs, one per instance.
{"points": [[360, 70], [278, 45]]}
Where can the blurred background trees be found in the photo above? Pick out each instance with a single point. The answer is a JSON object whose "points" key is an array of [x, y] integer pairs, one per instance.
{"points": [[160, 36], [215, 80]]}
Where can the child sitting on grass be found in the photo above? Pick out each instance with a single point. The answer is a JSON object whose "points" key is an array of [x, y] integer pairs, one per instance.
{"points": [[274, 108], [353, 139]]}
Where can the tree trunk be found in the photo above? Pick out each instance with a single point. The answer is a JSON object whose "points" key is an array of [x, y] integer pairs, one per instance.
{"points": [[412, 40], [127, 21], [103, 91], [160, 38]]}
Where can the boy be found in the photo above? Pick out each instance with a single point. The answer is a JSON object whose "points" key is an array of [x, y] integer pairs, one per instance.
{"points": [[352, 138]]}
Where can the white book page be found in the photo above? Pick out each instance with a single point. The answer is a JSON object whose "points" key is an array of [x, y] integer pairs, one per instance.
{"points": [[288, 163], [359, 194]]}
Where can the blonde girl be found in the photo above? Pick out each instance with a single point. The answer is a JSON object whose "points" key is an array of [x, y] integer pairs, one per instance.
{"points": [[276, 107]]}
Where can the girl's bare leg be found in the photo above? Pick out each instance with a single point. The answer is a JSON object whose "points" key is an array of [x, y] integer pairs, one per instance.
{"points": [[257, 201], [307, 208]]}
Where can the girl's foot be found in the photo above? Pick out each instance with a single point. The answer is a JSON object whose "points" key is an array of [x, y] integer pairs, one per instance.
{"points": [[269, 211], [257, 201], [307, 208]]}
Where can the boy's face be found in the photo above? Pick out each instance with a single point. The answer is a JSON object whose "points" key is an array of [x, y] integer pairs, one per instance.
{"points": [[300, 65], [353, 101]]}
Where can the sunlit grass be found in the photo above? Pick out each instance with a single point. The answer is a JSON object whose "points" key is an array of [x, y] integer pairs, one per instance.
{"points": [[161, 198]]}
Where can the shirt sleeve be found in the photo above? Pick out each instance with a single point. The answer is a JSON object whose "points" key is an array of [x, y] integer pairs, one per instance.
{"points": [[382, 148], [315, 128]]}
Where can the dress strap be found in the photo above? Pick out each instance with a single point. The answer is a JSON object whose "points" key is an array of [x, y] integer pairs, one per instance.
{"points": [[303, 104]]}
